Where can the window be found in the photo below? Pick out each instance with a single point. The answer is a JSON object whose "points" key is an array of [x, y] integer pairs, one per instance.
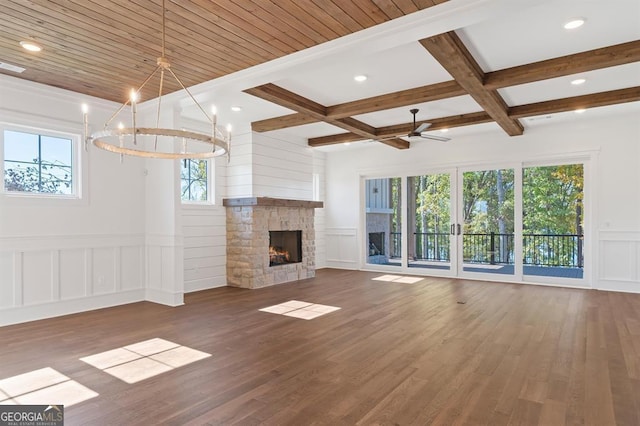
{"points": [[38, 162], [194, 181]]}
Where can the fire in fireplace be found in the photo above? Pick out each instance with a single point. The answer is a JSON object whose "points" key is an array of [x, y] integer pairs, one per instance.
{"points": [[285, 247]]}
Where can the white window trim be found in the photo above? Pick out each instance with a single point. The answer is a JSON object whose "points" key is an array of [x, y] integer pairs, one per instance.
{"points": [[23, 123]]}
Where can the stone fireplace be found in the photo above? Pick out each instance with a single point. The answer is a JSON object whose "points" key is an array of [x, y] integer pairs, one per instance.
{"points": [[258, 247]]}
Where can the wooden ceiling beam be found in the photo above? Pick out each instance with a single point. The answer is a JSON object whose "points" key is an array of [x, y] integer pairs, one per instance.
{"points": [[283, 97], [295, 102], [451, 53], [335, 139], [431, 92], [438, 123], [613, 97], [396, 143], [282, 122], [405, 128], [604, 57], [619, 54]]}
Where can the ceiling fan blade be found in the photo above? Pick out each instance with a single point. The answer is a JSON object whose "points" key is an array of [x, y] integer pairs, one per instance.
{"points": [[435, 138], [422, 127]]}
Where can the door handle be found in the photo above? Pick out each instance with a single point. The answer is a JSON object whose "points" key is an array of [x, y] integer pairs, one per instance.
{"points": [[459, 228], [452, 230]]}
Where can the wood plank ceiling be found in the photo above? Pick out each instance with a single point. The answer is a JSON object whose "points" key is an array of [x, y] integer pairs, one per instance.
{"points": [[100, 48], [104, 48]]}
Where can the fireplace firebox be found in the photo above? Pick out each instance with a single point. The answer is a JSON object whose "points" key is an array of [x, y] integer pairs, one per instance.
{"points": [[285, 247], [376, 243]]}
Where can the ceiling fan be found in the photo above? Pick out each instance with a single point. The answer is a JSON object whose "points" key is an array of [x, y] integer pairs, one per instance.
{"points": [[416, 133]]}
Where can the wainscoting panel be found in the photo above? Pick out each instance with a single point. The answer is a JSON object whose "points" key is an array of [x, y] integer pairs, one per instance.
{"points": [[164, 258], [619, 263], [73, 272], [154, 267], [6, 280], [51, 276], [131, 267], [104, 270], [342, 248], [37, 277]]}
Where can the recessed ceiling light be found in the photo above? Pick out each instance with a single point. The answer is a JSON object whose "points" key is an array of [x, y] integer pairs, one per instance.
{"points": [[444, 130], [580, 110], [30, 46], [236, 108], [578, 81], [347, 143], [360, 78], [573, 24]]}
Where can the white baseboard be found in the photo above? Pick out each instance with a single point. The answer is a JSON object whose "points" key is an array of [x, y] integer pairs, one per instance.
{"points": [[620, 286], [204, 284], [164, 297]]}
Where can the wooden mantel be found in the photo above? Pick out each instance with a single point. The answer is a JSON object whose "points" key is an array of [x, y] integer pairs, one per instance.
{"points": [[270, 202]]}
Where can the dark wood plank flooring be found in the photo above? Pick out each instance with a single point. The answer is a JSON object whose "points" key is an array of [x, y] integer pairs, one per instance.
{"points": [[406, 354]]}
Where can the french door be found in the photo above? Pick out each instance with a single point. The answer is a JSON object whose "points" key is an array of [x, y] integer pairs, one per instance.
{"points": [[486, 234], [522, 223]]}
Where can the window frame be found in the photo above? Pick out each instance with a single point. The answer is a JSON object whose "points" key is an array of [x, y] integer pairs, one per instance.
{"points": [[209, 180], [78, 178]]}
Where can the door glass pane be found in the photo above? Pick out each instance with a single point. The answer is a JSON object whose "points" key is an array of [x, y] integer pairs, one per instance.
{"points": [[552, 205], [487, 210], [383, 221], [429, 217]]}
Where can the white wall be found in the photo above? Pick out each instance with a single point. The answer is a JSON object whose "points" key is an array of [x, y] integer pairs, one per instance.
{"points": [[612, 142], [62, 256]]}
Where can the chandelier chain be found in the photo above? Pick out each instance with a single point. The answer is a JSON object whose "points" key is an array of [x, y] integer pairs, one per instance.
{"points": [[100, 139]]}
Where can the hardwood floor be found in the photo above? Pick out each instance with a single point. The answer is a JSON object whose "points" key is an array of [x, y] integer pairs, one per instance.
{"points": [[407, 354]]}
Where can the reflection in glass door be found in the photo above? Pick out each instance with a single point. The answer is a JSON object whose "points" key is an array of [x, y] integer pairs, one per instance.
{"points": [[383, 221], [429, 221], [488, 221]]}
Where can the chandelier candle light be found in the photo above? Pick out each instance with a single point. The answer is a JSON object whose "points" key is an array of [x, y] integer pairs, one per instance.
{"points": [[127, 143]]}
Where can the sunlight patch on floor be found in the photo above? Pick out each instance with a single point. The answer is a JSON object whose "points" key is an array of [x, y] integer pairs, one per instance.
{"points": [[398, 279], [299, 309], [42, 387], [142, 360]]}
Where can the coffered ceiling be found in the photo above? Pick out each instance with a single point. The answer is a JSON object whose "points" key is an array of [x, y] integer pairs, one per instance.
{"points": [[290, 64]]}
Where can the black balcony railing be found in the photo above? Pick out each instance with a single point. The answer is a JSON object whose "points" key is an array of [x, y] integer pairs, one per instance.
{"points": [[564, 250], [553, 250], [496, 249], [433, 246]]}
